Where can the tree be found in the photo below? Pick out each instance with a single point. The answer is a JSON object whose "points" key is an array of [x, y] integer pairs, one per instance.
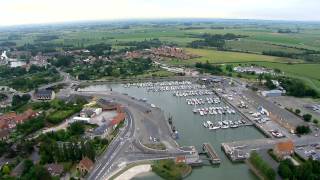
{"points": [[298, 111], [303, 129], [6, 169], [229, 67], [284, 169], [27, 165], [315, 121], [307, 117], [76, 128]]}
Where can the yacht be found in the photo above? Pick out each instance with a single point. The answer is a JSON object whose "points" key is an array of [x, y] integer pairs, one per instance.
{"points": [[214, 127], [225, 127]]}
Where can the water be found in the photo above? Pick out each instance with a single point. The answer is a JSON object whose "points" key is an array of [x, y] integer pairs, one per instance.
{"points": [[192, 132]]}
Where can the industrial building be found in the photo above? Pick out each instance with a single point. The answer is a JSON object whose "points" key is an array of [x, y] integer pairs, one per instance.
{"points": [[272, 93]]}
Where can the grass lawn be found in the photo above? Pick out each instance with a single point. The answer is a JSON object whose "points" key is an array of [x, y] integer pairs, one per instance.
{"points": [[159, 73], [214, 56]]}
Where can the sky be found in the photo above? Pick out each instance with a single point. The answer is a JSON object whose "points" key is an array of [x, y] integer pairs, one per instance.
{"points": [[15, 12]]}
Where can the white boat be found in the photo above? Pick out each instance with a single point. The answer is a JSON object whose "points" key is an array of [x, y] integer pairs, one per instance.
{"points": [[201, 112], [205, 125], [214, 127], [195, 110], [234, 126], [224, 127]]}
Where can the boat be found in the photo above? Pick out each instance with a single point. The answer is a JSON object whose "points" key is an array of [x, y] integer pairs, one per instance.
{"points": [[214, 127], [205, 125], [224, 127], [195, 110], [234, 126]]}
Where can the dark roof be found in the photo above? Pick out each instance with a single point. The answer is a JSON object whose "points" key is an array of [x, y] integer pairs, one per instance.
{"points": [[4, 133], [88, 112], [44, 92], [100, 130]]}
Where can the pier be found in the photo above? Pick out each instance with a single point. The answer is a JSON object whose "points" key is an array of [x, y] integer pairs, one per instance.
{"points": [[211, 153]]}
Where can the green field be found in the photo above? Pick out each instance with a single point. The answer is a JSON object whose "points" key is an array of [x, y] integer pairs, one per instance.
{"points": [[214, 56], [307, 72], [256, 46]]}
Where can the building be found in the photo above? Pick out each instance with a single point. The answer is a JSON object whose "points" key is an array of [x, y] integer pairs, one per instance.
{"points": [[118, 119], [85, 165], [107, 105], [45, 94], [283, 149], [54, 169], [272, 93], [4, 134], [10, 120]]}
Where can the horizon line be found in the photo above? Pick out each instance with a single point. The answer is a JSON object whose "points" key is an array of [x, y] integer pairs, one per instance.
{"points": [[153, 19]]}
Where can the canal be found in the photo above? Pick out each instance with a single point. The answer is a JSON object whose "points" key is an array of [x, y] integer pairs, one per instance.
{"points": [[192, 132]]}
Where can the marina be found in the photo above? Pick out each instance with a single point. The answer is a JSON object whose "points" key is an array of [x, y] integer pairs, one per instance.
{"points": [[191, 127]]}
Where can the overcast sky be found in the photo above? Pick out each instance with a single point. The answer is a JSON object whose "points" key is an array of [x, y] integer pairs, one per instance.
{"points": [[14, 12]]}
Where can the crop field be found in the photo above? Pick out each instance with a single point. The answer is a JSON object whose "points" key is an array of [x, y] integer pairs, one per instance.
{"points": [[305, 39], [219, 57]]}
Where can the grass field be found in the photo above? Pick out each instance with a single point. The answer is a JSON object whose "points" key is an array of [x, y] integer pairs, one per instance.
{"points": [[214, 56], [309, 73]]}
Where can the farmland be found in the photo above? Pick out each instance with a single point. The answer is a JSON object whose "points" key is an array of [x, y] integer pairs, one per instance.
{"points": [[256, 37], [214, 56]]}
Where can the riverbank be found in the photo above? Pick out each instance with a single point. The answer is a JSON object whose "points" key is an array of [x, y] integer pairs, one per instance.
{"points": [[134, 171]]}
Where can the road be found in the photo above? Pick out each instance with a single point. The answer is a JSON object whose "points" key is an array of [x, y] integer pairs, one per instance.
{"points": [[106, 163]]}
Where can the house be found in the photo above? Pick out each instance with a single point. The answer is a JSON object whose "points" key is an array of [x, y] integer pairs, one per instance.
{"points": [[85, 165], [44, 94], [283, 149], [54, 169], [10, 120], [4, 134]]}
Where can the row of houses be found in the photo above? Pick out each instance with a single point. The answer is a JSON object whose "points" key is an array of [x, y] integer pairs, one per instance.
{"points": [[10, 120]]}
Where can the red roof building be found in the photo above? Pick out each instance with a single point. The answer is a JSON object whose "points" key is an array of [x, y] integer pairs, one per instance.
{"points": [[10, 120], [283, 149], [85, 165], [118, 119]]}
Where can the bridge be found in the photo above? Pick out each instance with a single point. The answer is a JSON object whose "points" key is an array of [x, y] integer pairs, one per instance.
{"points": [[211, 153]]}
